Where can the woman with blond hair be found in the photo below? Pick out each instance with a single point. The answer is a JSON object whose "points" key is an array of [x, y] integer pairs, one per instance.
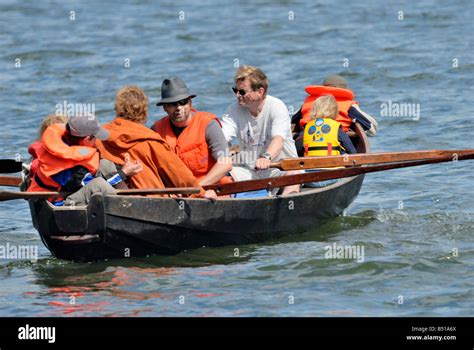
{"points": [[50, 120], [129, 135]]}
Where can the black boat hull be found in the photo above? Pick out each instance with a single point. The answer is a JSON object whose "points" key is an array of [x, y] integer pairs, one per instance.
{"points": [[134, 226]]}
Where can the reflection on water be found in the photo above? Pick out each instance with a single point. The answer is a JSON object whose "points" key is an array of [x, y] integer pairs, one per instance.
{"points": [[101, 288], [73, 294]]}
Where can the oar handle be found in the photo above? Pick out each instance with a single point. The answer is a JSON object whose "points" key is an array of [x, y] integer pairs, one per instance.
{"points": [[10, 195], [14, 181]]}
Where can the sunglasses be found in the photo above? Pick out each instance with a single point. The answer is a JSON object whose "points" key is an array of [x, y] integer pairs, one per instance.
{"points": [[182, 102], [241, 92]]}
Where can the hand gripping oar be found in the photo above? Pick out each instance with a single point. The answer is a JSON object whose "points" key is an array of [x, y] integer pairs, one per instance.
{"points": [[10, 195], [253, 185], [366, 159]]}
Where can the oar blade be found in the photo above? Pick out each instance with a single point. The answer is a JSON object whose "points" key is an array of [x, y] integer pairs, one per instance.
{"points": [[253, 185], [8, 166], [369, 159]]}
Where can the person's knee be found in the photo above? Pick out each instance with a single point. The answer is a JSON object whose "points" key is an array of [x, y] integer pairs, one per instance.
{"points": [[83, 196], [100, 185], [107, 168]]}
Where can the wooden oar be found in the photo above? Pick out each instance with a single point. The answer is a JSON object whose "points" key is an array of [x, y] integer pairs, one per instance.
{"points": [[13, 181], [373, 161], [10, 195], [365, 159], [253, 185], [9, 166]]}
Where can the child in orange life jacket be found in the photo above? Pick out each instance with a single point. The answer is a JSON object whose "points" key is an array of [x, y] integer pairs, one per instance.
{"points": [[323, 135], [69, 162], [29, 169], [349, 110]]}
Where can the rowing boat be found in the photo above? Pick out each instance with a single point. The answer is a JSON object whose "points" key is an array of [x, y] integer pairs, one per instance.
{"points": [[135, 226]]}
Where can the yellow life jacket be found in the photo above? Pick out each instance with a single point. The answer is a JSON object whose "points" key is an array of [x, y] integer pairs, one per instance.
{"points": [[321, 138]]}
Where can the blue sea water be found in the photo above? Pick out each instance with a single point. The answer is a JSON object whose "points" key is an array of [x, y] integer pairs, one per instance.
{"points": [[416, 224]]}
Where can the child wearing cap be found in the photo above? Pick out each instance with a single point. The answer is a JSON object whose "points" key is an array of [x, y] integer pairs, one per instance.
{"points": [[68, 161]]}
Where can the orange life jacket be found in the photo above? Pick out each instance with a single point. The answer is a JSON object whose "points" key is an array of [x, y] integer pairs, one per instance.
{"points": [[344, 98], [191, 145], [55, 156], [33, 150]]}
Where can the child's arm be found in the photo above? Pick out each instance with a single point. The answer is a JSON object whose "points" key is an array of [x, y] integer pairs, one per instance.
{"points": [[346, 142]]}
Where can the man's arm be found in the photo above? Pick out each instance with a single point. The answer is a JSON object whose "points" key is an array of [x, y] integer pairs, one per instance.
{"points": [[280, 130], [218, 171], [275, 146], [346, 142], [229, 126], [220, 152], [369, 124], [274, 149]]}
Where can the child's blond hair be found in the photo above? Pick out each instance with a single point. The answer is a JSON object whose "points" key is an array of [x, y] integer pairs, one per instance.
{"points": [[325, 107], [50, 120]]}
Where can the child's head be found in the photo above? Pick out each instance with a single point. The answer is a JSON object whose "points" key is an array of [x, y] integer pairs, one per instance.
{"points": [[324, 107], [84, 129], [335, 81], [50, 120], [131, 103]]}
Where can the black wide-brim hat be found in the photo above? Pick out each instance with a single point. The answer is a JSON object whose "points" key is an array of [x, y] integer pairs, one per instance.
{"points": [[174, 90]]}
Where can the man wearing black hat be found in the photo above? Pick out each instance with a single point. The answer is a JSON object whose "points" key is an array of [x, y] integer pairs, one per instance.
{"points": [[69, 162], [195, 136]]}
